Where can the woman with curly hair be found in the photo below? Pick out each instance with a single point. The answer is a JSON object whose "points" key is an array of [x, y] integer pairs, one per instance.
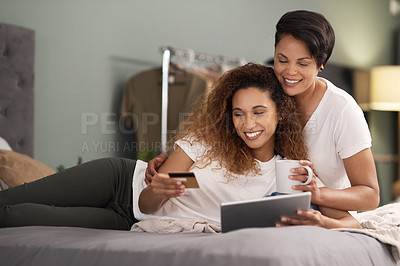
{"points": [[231, 142]]}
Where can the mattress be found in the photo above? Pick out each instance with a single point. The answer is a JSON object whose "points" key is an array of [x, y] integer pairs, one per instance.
{"points": [[298, 245]]}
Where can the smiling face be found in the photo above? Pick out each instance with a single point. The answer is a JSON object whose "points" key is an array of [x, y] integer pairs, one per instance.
{"points": [[255, 118], [294, 66]]}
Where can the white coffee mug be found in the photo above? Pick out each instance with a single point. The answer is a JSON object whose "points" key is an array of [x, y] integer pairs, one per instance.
{"points": [[283, 183]]}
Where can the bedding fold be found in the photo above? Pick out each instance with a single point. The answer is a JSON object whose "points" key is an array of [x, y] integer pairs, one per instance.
{"points": [[154, 225], [383, 224]]}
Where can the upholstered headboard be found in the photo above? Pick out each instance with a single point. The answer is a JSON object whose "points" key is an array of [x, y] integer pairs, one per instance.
{"points": [[16, 87]]}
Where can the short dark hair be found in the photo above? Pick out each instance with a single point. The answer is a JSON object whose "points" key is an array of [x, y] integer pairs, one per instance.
{"points": [[310, 27]]}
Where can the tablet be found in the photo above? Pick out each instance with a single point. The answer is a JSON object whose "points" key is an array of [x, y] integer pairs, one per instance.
{"points": [[264, 212]]}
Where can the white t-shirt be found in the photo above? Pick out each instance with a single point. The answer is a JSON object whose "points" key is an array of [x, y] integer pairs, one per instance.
{"points": [[336, 130], [204, 203]]}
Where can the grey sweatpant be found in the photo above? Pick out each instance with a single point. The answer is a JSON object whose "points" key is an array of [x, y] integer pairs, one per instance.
{"points": [[97, 194]]}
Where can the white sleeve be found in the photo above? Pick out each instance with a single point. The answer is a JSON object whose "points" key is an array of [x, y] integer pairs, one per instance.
{"points": [[352, 133], [191, 147]]}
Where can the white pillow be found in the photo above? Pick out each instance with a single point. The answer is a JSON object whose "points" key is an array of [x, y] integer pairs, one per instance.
{"points": [[4, 145]]}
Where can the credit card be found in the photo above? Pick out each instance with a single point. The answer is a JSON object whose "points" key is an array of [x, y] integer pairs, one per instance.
{"points": [[187, 178]]}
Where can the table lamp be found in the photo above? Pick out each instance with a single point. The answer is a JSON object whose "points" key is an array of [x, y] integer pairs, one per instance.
{"points": [[385, 96]]}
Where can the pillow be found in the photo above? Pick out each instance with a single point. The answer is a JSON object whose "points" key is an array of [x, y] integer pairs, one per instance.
{"points": [[4, 145], [17, 168]]}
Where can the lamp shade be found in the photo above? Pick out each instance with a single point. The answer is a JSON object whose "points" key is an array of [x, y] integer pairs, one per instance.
{"points": [[385, 88]]}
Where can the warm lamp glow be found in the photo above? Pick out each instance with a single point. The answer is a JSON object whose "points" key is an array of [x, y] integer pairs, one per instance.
{"points": [[385, 96], [385, 88]]}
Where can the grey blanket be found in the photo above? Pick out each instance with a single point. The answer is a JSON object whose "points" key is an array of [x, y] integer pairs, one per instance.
{"points": [[298, 245]]}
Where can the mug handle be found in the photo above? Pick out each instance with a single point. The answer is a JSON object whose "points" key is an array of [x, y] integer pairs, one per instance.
{"points": [[310, 174]]}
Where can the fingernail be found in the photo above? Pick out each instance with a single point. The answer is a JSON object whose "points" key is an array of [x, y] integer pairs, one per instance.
{"points": [[283, 219]]}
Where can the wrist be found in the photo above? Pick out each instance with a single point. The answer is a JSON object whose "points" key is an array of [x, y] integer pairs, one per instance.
{"points": [[329, 223], [157, 198], [319, 200], [150, 202]]}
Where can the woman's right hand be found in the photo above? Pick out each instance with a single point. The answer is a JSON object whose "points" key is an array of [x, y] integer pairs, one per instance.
{"points": [[164, 187], [153, 166], [301, 175]]}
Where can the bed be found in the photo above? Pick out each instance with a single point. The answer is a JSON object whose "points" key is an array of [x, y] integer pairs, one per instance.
{"points": [[44, 245], [257, 246]]}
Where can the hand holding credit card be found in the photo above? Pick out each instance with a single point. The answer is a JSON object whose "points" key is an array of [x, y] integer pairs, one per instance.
{"points": [[187, 178]]}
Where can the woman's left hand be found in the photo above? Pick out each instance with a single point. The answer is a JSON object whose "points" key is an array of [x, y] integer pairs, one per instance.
{"points": [[312, 217], [301, 174]]}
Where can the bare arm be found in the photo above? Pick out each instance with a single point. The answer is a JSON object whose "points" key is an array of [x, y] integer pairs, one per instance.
{"points": [[363, 194], [338, 218], [162, 187], [177, 161], [327, 217]]}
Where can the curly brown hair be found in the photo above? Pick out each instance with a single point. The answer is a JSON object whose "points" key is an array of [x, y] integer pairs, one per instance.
{"points": [[211, 121]]}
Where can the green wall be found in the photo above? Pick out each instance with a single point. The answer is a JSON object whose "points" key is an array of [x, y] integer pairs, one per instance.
{"points": [[87, 49], [384, 130]]}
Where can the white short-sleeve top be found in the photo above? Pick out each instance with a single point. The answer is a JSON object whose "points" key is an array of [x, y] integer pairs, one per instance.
{"points": [[336, 130], [204, 203]]}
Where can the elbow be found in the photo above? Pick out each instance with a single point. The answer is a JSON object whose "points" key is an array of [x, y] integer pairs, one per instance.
{"points": [[377, 201], [143, 199], [147, 203], [144, 208], [374, 199]]}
